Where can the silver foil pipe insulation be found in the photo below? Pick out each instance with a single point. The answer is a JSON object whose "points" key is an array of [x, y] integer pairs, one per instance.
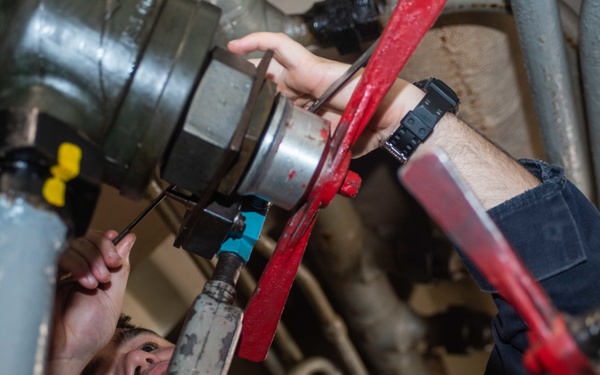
{"points": [[31, 240]]}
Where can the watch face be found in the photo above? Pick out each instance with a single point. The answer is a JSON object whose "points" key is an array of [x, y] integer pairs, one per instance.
{"points": [[441, 87]]}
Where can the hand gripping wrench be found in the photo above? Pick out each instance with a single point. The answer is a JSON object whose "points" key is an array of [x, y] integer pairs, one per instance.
{"points": [[409, 22]]}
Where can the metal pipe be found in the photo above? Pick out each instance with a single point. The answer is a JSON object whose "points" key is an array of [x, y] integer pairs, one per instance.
{"points": [[543, 45], [334, 326], [589, 54], [241, 17], [31, 241], [317, 365], [109, 70], [246, 283], [388, 329]]}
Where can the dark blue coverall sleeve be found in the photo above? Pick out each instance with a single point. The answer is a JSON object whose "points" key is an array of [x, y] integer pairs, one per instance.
{"points": [[556, 232]]}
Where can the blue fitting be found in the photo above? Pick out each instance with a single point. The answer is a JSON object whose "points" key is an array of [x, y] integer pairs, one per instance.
{"points": [[255, 219]]}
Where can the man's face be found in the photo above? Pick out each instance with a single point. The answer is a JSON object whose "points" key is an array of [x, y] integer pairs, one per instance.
{"points": [[132, 352]]}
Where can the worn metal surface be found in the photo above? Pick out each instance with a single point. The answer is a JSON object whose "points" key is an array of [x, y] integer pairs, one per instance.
{"points": [[289, 156], [207, 344], [202, 151], [31, 240], [109, 70], [559, 115]]}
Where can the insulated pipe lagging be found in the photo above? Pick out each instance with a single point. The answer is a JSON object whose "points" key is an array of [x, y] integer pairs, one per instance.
{"points": [[30, 241], [589, 54], [544, 51]]}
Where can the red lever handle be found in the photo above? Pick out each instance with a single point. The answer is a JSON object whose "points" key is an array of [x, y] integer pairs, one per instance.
{"points": [[409, 22], [432, 180]]}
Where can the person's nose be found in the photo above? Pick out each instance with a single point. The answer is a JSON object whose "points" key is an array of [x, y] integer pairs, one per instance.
{"points": [[138, 360]]}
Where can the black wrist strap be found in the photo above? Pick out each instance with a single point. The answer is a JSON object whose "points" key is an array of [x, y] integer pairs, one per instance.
{"points": [[418, 124]]}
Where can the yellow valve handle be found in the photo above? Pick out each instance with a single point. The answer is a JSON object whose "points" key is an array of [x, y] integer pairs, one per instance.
{"points": [[67, 168]]}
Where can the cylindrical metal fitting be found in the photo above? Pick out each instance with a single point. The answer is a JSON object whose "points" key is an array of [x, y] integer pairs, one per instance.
{"points": [[121, 73], [289, 156]]}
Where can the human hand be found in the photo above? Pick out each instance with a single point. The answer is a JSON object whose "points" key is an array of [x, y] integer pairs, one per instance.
{"points": [[302, 76], [88, 305]]}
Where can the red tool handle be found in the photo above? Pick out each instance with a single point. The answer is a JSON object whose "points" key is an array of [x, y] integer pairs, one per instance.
{"points": [[409, 22], [432, 180]]}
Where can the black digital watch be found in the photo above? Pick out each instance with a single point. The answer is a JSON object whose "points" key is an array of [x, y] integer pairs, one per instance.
{"points": [[418, 124]]}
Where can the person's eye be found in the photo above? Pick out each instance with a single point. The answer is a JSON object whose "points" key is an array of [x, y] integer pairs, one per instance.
{"points": [[149, 346]]}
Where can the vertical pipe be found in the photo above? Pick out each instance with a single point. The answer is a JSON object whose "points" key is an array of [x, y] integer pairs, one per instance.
{"points": [[563, 133], [30, 241], [388, 330], [589, 54], [334, 327]]}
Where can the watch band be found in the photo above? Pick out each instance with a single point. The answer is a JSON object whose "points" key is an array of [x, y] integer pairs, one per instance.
{"points": [[418, 124]]}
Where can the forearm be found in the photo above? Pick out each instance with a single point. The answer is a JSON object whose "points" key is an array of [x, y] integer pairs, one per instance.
{"points": [[493, 175]]}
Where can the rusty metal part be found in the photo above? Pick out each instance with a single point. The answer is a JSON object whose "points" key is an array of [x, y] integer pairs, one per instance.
{"points": [[212, 328], [246, 283], [408, 25]]}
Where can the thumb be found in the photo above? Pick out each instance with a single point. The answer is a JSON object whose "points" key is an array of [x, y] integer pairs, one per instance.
{"points": [[124, 249], [120, 275]]}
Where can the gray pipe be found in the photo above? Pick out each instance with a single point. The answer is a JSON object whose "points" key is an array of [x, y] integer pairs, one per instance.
{"points": [[242, 17], [544, 51], [316, 365], [388, 330], [589, 54], [333, 325], [30, 241]]}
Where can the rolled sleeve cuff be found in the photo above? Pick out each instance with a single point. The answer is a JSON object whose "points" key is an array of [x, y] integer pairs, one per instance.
{"points": [[540, 225]]}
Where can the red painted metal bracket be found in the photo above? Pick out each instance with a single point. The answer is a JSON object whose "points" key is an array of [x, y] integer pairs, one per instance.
{"points": [[409, 22]]}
